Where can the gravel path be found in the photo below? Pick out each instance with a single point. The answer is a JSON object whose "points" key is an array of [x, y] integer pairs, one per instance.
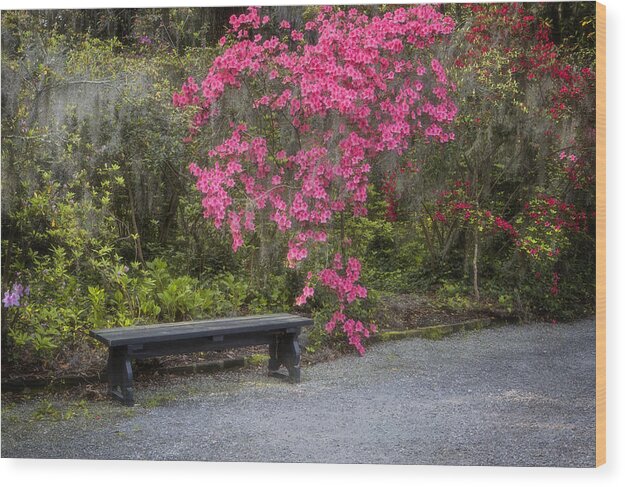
{"points": [[515, 395]]}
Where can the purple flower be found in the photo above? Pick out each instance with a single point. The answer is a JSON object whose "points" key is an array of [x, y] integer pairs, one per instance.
{"points": [[12, 297], [10, 300]]}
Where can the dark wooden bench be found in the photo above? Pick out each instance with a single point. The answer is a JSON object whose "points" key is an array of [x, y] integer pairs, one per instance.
{"points": [[279, 331]]}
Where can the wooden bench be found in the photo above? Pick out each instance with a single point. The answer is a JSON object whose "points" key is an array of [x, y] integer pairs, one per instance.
{"points": [[279, 331]]}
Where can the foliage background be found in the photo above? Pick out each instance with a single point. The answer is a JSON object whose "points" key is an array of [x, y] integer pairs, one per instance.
{"points": [[101, 220]]}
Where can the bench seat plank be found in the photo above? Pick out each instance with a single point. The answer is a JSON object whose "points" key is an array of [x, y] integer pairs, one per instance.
{"points": [[115, 337]]}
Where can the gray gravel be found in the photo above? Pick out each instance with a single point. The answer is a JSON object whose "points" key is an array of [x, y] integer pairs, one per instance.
{"points": [[515, 395]]}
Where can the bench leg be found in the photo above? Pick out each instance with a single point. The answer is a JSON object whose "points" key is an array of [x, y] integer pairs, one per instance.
{"points": [[274, 361], [293, 359], [290, 356], [285, 350], [119, 369]]}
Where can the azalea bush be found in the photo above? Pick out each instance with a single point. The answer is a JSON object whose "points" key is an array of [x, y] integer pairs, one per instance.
{"points": [[524, 161], [322, 108]]}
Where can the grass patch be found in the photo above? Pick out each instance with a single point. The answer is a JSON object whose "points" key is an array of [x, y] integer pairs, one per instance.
{"points": [[46, 411], [160, 400], [258, 359], [433, 332]]}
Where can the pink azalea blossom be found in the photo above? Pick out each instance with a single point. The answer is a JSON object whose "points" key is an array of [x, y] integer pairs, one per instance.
{"points": [[373, 76]]}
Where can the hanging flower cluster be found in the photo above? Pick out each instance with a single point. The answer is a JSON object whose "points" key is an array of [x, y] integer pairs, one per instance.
{"points": [[529, 50], [540, 230], [546, 221], [579, 172], [347, 89], [458, 204]]}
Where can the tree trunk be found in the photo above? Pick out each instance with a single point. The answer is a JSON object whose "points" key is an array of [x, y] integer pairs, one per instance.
{"points": [[476, 289]]}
